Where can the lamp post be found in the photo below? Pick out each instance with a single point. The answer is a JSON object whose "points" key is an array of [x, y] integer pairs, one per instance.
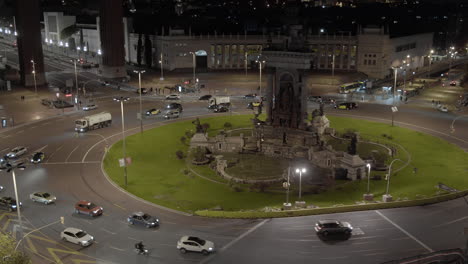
{"points": [[34, 76], [260, 63], [161, 62], [395, 70], [76, 79], [368, 177], [430, 62], [245, 62], [122, 100], [387, 197], [139, 88], [300, 171], [11, 168], [194, 65]]}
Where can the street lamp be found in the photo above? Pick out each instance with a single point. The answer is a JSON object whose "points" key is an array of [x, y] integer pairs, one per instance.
{"points": [[194, 65], [300, 171], [368, 177], [161, 62], [260, 63], [139, 88], [394, 109], [11, 168], [76, 78], [122, 100], [430, 62], [34, 76], [387, 197], [245, 62]]}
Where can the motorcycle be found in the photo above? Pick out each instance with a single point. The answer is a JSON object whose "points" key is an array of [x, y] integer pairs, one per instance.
{"points": [[143, 251]]}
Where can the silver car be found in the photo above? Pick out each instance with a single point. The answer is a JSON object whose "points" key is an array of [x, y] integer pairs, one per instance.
{"points": [[42, 197], [89, 107], [77, 236], [16, 152]]}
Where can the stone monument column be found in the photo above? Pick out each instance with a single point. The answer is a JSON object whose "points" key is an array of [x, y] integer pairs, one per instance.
{"points": [[111, 30], [29, 42]]}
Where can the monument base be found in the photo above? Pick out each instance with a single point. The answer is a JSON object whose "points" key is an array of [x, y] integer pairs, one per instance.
{"points": [[387, 198], [287, 206], [368, 197], [300, 204]]}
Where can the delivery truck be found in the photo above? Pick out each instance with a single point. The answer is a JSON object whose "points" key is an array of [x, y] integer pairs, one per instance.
{"points": [[91, 122]]}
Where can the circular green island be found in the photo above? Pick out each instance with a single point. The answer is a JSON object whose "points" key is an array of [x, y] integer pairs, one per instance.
{"points": [[162, 171]]}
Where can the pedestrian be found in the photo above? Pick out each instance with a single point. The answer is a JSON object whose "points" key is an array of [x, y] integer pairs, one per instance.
{"points": [[401, 98], [432, 101], [362, 98], [151, 90]]}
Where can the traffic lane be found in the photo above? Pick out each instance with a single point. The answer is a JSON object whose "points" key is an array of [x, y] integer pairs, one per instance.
{"points": [[295, 240], [445, 228]]}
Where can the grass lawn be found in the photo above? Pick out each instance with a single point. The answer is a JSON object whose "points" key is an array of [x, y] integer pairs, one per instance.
{"points": [[158, 176]]}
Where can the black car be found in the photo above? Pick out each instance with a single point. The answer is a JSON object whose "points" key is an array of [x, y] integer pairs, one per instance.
{"points": [[172, 106], [346, 105], [221, 109], [143, 91], [327, 227], [205, 97], [250, 96], [140, 218], [62, 104], [37, 157], [8, 203]]}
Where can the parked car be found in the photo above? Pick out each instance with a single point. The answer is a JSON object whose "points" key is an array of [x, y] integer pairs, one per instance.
{"points": [[250, 96], [346, 105], [170, 114], [140, 218], [152, 112], [62, 104], [143, 91], [315, 98], [442, 108], [16, 152], [77, 236], [453, 83], [173, 97], [105, 83], [89, 107], [37, 157], [326, 227], [173, 106], [42, 197], [46, 102], [190, 243], [205, 97], [85, 207], [8, 203]]}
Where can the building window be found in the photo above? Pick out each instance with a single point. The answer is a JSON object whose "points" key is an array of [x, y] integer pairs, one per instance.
{"points": [[373, 62], [365, 62], [219, 146]]}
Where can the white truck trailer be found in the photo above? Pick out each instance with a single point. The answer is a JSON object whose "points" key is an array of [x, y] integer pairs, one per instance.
{"points": [[93, 122], [217, 100]]}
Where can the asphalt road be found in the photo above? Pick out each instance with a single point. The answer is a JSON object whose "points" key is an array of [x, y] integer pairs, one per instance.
{"points": [[72, 171]]}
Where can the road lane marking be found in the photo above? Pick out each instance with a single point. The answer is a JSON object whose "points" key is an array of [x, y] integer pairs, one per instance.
{"points": [[40, 149], [51, 155], [451, 222], [134, 239], [66, 160], [228, 245], [404, 231], [373, 254], [105, 230], [4, 149], [121, 207], [119, 249], [21, 131], [70, 162]]}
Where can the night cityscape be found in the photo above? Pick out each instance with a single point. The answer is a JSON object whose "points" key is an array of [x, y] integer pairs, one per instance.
{"points": [[241, 131]]}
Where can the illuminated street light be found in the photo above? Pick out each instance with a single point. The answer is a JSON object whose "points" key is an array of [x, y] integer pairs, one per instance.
{"points": [[162, 70], [387, 197], [34, 76], [194, 65], [121, 100], [300, 171], [260, 64], [139, 88]]}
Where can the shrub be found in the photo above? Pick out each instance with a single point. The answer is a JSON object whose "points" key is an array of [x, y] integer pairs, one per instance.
{"points": [[199, 154], [189, 134], [227, 125], [180, 154], [183, 140], [236, 188], [260, 186], [205, 127]]}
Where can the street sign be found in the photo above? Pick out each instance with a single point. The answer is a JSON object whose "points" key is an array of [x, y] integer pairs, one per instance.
{"points": [[138, 116], [122, 163], [394, 109]]}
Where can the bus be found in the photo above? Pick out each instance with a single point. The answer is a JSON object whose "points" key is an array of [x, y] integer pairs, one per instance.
{"points": [[351, 87]]}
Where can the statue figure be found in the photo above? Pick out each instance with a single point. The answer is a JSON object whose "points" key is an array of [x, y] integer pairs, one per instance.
{"points": [[352, 148], [321, 112]]}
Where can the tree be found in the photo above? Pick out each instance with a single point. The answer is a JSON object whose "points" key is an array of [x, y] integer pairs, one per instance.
{"points": [[352, 148], [148, 52], [227, 125], [321, 112], [205, 127], [199, 154], [183, 140], [8, 255], [139, 48]]}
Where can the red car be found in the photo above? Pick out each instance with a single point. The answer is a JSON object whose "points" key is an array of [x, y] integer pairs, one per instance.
{"points": [[85, 207]]}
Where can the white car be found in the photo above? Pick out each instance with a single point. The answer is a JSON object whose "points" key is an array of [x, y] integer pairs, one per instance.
{"points": [[89, 107], [173, 97], [190, 243], [16, 152], [77, 236], [42, 197], [443, 108]]}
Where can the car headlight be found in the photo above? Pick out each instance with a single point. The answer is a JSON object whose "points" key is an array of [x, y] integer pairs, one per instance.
{"points": [[210, 249], [95, 211], [13, 206], [32, 160]]}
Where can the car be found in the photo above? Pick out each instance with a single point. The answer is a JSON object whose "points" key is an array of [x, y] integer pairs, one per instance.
{"points": [[42, 197], [443, 108], [171, 114], [76, 236], [89, 107], [16, 152], [62, 104], [250, 96], [37, 157], [221, 109], [191, 243], [1, 188], [141, 218], [346, 105], [65, 90], [8, 203], [152, 112], [173, 106], [143, 91], [105, 83], [173, 97], [251, 105], [85, 207], [326, 227], [46, 102], [453, 83], [205, 97], [315, 98]]}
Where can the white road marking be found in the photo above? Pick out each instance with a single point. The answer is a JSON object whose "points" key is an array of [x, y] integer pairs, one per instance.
{"points": [[357, 231], [451, 222], [51, 155], [373, 254], [4, 149], [69, 155], [228, 245], [119, 249], [33, 126], [70, 162], [134, 239], [40, 149], [21, 131], [105, 230], [335, 258], [404, 231]]}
